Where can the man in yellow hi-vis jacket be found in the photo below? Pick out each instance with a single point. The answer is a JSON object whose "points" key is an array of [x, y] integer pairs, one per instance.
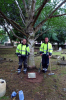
{"points": [[22, 52], [45, 52]]}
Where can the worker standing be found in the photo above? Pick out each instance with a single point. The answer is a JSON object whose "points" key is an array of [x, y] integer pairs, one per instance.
{"points": [[45, 52], [22, 52]]}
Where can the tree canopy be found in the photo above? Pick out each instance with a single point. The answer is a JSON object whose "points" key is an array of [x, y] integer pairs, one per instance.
{"points": [[44, 13]]}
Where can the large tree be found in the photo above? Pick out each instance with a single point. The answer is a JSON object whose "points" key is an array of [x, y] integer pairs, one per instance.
{"points": [[30, 11]]}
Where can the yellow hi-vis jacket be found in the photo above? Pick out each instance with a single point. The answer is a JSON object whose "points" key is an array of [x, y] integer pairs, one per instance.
{"points": [[22, 50], [46, 48]]}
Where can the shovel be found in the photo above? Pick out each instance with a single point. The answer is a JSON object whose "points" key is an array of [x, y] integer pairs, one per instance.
{"points": [[40, 66], [50, 70], [14, 98]]}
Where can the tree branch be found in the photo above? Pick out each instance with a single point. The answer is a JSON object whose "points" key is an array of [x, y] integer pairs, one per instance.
{"points": [[13, 24], [38, 9], [40, 25], [29, 5], [17, 25], [57, 15], [49, 16], [1, 16], [21, 14], [33, 7], [57, 8], [6, 31], [25, 5], [14, 34], [43, 4], [41, 33], [11, 31]]}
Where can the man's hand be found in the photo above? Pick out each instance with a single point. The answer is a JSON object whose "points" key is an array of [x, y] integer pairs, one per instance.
{"points": [[19, 56], [49, 56], [40, 54]]}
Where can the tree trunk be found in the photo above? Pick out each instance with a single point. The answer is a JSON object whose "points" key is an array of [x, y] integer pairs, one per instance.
{"points": [[31, 61]]}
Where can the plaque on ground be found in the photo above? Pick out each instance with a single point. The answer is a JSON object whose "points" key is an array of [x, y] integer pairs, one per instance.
{"points": [[32, 75]]}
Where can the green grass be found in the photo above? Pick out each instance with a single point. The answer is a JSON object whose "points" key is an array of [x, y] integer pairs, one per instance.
{"points": [[4, 98]]}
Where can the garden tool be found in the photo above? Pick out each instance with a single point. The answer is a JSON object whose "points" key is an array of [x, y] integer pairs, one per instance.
{"points": [[40, 66], [50, 69], [14, 98]]}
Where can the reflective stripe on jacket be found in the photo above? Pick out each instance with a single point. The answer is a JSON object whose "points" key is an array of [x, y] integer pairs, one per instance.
{"points": [[44, 48], [22, 50]]}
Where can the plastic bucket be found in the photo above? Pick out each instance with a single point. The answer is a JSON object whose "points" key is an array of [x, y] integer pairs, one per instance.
{"points": [[2, 87]]}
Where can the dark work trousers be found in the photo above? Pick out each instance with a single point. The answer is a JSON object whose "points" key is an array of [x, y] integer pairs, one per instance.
{"points": [[22, 59], [45, 61]]}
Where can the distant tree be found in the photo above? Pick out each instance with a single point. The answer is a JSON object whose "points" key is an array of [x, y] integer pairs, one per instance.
{"points": [[61, 35], [3, 36]]}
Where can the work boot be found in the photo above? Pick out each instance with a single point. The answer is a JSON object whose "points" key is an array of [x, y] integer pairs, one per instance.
{"points": [[19, 71], [45, 70], [25, 70]]}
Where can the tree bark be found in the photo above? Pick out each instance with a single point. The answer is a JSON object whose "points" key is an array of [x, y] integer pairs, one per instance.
{"points": [[31, 46], [31, 60]]}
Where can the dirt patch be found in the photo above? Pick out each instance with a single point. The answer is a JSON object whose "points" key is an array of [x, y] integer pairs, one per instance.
{"points": [[38, 78]]}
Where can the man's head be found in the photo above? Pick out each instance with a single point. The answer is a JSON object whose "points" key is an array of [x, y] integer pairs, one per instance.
{"points": [[24, 41], [46, 39]]}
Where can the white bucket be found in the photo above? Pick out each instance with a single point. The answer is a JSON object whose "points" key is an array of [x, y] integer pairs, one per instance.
{"points": [[2, 87]]}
